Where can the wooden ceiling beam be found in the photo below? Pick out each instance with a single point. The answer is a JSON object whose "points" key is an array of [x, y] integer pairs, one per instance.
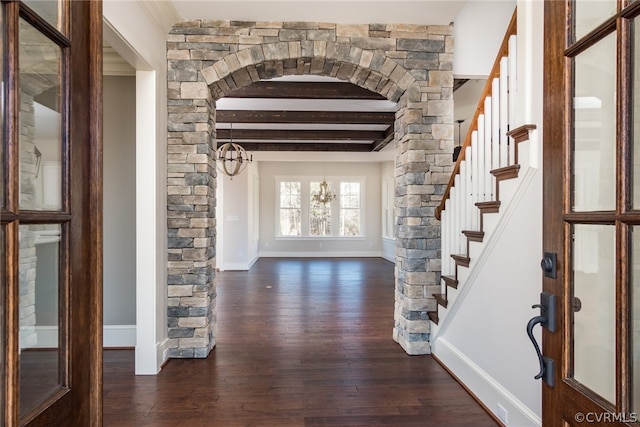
{"points": [[304, 90], [379, 145], [294, 134], [305, 117], [283, 146]]}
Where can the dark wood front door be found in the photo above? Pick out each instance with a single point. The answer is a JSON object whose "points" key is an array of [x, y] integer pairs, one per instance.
{"points": [[592, 210], [51, 213]]}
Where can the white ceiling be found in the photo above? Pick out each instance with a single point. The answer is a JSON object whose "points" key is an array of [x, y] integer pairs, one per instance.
{"points": [[424, 12]]}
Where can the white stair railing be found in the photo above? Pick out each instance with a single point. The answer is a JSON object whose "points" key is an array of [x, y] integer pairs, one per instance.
{"points": [[486, 148]]}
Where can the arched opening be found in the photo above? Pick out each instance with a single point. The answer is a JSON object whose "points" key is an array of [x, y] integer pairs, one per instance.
{"points": [[414, 72]]}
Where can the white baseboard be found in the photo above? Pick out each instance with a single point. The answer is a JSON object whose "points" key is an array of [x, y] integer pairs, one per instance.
{"points": [[237, 266], [319, 254], [483, 386], [113, 336], [119, 336], [389, 249]]}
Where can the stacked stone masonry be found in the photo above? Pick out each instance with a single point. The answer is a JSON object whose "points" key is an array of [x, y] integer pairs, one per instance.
{"points": [[408, 64]]}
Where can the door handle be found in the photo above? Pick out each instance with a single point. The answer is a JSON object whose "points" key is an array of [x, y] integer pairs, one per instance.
{"points": [[547, 319]]}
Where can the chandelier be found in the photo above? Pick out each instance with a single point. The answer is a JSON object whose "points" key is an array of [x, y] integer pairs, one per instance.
{"points": [[232, 159], [323, 196]]}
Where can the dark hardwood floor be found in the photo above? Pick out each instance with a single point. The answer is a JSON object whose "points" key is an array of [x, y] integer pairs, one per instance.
{"points": [[299, 343]]}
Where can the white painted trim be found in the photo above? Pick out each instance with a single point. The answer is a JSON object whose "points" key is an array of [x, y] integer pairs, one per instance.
{"points": [[113, 336], [163, 14], [119, 336], [477, 265], [319, 254], [47, 336], [389, 249], [482, 385], [238, 266], [146, 244]]}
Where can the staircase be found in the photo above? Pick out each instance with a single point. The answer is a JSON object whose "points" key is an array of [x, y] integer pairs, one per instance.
{"points": [[484, 178]]}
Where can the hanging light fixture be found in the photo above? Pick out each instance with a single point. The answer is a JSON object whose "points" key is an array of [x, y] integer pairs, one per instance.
{"points": [[456, 150], [232, 159], [324, 195]]}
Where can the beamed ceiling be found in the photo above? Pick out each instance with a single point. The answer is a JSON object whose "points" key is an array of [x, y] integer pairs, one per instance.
{"points": [[306, 113]]}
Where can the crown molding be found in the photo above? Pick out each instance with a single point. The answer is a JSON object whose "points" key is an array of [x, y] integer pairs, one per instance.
{"points": [[162, 13]]}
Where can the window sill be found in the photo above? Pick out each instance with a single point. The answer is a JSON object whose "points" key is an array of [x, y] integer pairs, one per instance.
{"points": [[350, 238]]}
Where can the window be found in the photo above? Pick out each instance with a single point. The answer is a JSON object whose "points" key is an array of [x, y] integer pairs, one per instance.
{"points": [[290, 208], [319, 213], [349, 208], [299, 216]]}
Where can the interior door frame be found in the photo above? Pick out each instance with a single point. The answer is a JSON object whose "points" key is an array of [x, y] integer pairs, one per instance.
{"points": [[80, 402]]}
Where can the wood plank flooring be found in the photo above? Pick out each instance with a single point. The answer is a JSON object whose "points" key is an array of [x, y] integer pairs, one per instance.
{"points": [[303, 342]]}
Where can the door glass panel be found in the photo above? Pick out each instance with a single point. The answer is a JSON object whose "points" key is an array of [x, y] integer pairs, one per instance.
{"points": [[593, 310], [636, 116], [40, 121], [588, 14], [39, 314], [3, 272], [50, 10], [635, 316], [2, 147], [594, 167]]}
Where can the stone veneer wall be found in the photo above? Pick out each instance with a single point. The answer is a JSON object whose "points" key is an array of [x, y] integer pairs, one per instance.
{"points": [[408, 64]]}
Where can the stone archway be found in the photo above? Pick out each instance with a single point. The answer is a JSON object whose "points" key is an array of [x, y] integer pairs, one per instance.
{"points": [[408, 64]]}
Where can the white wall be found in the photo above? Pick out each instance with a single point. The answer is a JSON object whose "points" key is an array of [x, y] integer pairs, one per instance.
{"points": [[138, 32], [369, 245], [237, 243], [478, 31], [119, 201]]}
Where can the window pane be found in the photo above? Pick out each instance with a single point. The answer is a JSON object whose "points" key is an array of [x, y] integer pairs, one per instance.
{"points": [[636, 117], [594, 332], [50, 10], [319, 213], [40, 121], [350, 208], [2, 108], [594, 168], [3, 272], [290, 195], [635, 317], [290, 208], [290, 223], [589, 14], [39, 314]]}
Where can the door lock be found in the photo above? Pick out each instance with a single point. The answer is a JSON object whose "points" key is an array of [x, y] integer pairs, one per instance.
{"points": [[549, 264]]}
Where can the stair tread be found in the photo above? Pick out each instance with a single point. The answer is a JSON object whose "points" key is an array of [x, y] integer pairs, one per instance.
{"points": [[433, 316], [489, 207], [441, 299], [462, 260], [474, 236], [450, 281], [488, 204], [507, 172]]}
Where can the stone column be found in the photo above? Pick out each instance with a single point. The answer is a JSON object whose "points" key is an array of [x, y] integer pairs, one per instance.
{"points": [[424, 142], [191, 221]]}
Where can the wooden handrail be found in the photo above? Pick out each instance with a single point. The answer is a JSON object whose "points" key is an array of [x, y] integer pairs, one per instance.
{"points": [[495, 72]]}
